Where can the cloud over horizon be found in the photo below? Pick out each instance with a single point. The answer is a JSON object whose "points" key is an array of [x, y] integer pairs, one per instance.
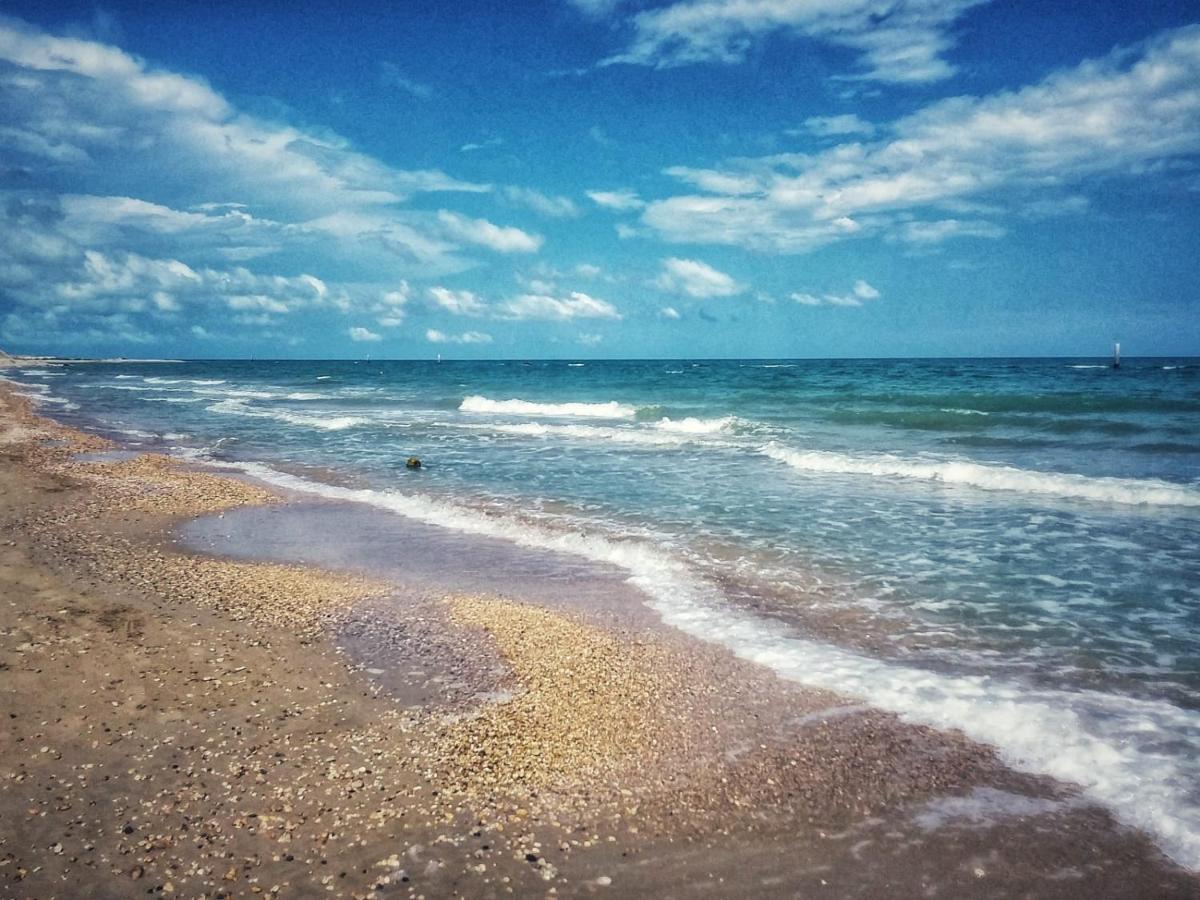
{"points": [[1117, 115]]}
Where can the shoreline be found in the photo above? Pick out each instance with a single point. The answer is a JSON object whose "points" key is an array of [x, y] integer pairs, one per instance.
{"points": [[684, 767]]}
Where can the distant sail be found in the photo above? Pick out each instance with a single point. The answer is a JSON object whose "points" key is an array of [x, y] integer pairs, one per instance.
{"points": [[1116, 356]]}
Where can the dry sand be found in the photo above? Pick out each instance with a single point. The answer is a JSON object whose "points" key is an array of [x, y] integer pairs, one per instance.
{"points": [[185, 725]]}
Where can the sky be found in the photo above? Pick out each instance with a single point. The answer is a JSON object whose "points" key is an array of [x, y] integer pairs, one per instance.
{"points": [[600, 178]]}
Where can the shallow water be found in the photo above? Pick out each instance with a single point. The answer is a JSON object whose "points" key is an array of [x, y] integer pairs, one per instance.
{"points": [[1017, 537]]}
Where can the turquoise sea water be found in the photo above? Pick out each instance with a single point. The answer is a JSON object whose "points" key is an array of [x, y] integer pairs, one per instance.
{"points": [[1008, 547]]}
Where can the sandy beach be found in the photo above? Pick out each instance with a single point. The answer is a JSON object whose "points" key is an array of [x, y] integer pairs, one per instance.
{"points": [[197, 725]]}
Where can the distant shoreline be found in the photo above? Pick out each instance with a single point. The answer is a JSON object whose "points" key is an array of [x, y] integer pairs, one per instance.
{"points": [[7, 361]]}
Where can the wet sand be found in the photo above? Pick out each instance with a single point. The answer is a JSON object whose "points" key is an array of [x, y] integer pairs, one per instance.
{"points": [[187, 723]]}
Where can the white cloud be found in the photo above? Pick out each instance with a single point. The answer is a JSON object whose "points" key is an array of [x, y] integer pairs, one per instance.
{"points": [[575, 305], [460, 303], [695, 279], [827, 126], [104, 104], [472, 146], [898, 41], [856, 296], [1120, 114], [715, 182], [623, 200], [358, 333], [555, 207], [590, 340], [669, 312], [391, 76], [934, 232], [256, 302], [864, 291], [504, 239], [587, 270], [467, 337], [389, 308], [245, 191], [595, 8]]}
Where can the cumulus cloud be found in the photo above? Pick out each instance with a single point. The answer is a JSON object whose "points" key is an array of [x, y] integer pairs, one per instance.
{"points": [[623, 200], [575, 305], [554, 207], [360, 334], [176, 175], [897, 40], [1115, 115], [856, 296], [99, 104], [503, 239], [670, 312], [695, 279], [467, 337], [460, 303]]}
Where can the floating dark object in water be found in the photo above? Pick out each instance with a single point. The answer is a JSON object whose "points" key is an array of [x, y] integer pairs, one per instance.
{"points": [[413, 463]]}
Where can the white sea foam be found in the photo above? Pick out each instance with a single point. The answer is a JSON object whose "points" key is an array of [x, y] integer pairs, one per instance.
{"points": [[203, 381], [963, 412], [1088, 367], [152, 435], [239, 407], [692, 425], [126, 376], [237, 392], [516, 407], [582, 433], [1134, 491], [1111, 746]]}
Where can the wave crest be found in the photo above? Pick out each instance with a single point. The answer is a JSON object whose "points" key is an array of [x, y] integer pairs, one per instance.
{"points": [[1130, 491], [517, 407]]}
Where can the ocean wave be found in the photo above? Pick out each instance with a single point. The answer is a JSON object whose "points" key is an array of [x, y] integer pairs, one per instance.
{"points": [[692, 425], [1111, 746], [1130, 491], [583, 433], [153, 435], [240, 407], [964, 412], [517, 407], [201, 381]]}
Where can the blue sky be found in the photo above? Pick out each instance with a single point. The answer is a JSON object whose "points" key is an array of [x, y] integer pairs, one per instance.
{"points": [[598, 178]]}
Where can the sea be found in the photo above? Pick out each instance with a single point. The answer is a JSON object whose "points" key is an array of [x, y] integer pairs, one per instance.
{"points": [[1007, 547]]}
